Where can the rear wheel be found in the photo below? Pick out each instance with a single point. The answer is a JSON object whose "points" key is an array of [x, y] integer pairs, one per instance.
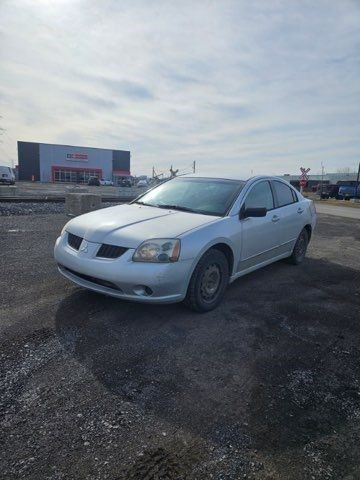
{"points": [[208, 282], [300, 247]]}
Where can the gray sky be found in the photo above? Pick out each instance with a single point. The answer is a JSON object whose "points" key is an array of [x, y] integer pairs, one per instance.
{"points": [[238, 86]]}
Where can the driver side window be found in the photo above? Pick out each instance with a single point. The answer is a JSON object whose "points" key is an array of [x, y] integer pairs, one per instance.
{"points": [[260, 196]]}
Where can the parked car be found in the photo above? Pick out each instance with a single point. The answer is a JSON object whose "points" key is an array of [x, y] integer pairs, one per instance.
{"points": [[334, 191], [186, 239], [125, 183], [7, 176], [324, 194], [142, 183], [327, 191], [94, 181], [349, 191], [106, 182]]}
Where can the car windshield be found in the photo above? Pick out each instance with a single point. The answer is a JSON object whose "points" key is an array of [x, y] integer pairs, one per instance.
{"points": [[198, 195]]}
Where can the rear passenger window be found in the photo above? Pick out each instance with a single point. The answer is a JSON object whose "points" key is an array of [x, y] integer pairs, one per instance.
{"points": [[284, 194], [260, 196]]}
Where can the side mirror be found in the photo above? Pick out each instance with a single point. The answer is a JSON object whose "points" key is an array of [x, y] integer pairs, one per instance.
{"points": [[253, 212]]}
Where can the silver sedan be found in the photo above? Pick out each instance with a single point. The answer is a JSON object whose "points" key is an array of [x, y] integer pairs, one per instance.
{"points": [[186, 239]]}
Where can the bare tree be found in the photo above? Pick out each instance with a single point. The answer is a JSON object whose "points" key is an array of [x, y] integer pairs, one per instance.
{"points": [[173, 172]]}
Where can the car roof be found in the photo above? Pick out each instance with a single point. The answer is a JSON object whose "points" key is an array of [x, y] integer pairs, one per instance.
{"points": [[233, 177], [217, 177]]}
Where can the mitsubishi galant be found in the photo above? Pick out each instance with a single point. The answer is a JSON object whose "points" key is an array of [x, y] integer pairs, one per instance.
{"points": [[186, 239]]}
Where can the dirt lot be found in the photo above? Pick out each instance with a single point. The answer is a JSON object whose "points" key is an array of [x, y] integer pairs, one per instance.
{"points": [[265, 387]]}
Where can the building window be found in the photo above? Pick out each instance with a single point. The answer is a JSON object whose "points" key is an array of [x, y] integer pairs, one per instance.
{"points": [[74, 175]]}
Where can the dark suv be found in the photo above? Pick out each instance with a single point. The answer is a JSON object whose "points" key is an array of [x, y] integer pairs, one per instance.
{"points": [[94, 181], [124, 183]]}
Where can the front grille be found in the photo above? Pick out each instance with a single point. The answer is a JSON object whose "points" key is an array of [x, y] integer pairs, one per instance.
{"points": [[74, 241], [110, 251], [88, 278]]}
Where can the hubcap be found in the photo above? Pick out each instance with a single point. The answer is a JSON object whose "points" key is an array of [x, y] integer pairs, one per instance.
{"points": [[210, 282]]}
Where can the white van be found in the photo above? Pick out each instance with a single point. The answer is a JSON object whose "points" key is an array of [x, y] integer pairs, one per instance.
{"points": [[7, 176]]}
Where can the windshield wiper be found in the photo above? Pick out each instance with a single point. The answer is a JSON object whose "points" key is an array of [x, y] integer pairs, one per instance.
{"points": [[176, 207], [147, 204], [169, 206]]}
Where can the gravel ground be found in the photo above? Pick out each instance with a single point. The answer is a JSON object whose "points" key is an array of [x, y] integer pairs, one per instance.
{"points": [[27, 208], [266, 387], [36, 208]]}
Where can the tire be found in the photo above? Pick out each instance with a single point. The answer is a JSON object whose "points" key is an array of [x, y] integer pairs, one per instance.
{"points": [[299, 250], [208, 282]]}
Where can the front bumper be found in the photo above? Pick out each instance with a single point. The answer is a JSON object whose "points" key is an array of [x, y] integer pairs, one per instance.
{"points": [[121, 277]]}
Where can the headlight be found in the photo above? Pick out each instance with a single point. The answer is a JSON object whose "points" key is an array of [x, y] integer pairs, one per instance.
{"points": [[160, 250]]}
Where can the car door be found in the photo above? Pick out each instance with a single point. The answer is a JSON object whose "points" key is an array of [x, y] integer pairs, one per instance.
{"points": [[259, 235], [290, 212]]}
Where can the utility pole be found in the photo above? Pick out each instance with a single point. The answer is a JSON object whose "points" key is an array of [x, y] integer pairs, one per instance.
{"points": [[322, 179], [357, 181]]}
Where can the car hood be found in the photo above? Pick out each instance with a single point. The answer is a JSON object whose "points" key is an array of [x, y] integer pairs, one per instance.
{"points": [[129, 225]]}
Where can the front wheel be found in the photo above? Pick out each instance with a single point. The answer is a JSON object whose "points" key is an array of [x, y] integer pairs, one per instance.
{"points": [[208, 281], [300, 247]]}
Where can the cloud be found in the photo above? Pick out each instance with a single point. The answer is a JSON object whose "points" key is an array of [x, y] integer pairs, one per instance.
{"points": [[118, 87], [129, 89], [237, 86], [232, 110], [98, 103]]}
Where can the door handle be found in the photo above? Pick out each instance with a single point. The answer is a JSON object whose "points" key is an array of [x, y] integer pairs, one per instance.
{"points": [[300, 210], [275, 218]]}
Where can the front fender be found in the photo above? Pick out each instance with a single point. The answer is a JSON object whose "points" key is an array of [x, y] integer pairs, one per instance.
{"points": [[205, 249], [196, 243]]}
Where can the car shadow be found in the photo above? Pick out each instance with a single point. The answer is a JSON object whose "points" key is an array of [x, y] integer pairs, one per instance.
{"points": [[266, 369]]}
